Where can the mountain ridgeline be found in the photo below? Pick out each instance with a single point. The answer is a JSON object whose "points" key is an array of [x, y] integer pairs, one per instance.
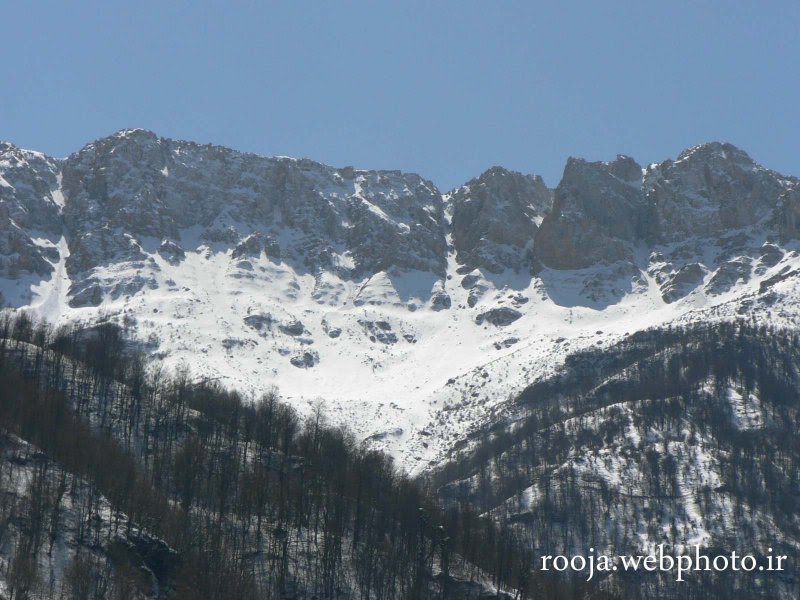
{"points": [[395, 391], [124, 197], [267, 271]]}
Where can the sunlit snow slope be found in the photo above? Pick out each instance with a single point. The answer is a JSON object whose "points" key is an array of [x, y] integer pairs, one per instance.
{"points": [[412, 316]]}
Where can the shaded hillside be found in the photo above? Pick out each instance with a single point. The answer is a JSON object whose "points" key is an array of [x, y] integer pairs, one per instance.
{"points": [[680, 436], [119, 481]]}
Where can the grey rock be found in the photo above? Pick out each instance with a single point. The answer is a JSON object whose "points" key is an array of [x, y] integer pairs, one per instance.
{"points": [[110, 200], [440, 301], [682, 282], [221, 235], [171, 252], [519, 299], [378, 331], [709, 189], [473, 297], [788, 214], [249, 247], [711, 194], [728, 274], [610, 283], [332, 332], [495, 219], [293, 328], [469, 281], [477, 286], [598, 214], [306, 360], [231, 343], [784, 274], [29, 207], [498, 316], [88, 294], [272, 248], [139, 184], [770, 255], [506, 343], [260, 322]]}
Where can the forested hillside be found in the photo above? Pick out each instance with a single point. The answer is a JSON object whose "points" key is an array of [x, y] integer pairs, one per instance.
{"points": [[120, 481], [680, 436]]}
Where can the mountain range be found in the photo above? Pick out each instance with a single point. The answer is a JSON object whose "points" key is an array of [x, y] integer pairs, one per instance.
{"points": [[607, 363], [413, 314]]}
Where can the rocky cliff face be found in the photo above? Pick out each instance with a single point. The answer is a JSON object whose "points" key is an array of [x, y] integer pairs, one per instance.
{"points": [[132, 195], [495, 219], [134, 189], [602, 209], [787, 219], [700, 220], [599, 213], [709, 190], [30, 208]]}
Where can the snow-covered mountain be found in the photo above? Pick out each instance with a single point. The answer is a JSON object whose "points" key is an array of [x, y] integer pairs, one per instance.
{"points": [[414, 314]]}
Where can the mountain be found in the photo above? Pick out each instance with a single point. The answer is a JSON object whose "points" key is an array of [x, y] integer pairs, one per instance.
{"points": [[618, 351], [120, 482], [683, 436], [495, 218], [346, 285]]}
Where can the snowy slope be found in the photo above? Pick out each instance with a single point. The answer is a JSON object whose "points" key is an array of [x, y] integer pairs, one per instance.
{"points": [[409, 347]]}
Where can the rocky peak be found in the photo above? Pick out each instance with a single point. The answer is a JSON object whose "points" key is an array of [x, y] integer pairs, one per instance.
{"points": [[133, 185], [495, 218], [28, 181], [6, 147], [131, 197], [602, 209], [709, 189], [626, 169], [598, 211], [716, 154]]}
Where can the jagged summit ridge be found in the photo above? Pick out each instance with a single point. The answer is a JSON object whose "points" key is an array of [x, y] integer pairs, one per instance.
{"points": [[30, 202], [604, 210], [598, 211], [118, 198], [317, 217]]}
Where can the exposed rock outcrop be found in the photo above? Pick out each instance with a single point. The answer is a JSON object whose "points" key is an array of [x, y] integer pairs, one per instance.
{"points": [[682, 282], [498, 316], [127, 201], [710, 189], [30, 206], [495, 219], [599, 212], [788, 214], [138, 185]]}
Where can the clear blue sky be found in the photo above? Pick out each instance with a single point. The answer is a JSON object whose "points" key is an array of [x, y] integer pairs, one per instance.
{"points": [[445, 89]]}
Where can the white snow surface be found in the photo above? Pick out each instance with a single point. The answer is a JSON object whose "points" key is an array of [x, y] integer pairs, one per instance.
{"points": [[397, 355], [411, 380]]}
